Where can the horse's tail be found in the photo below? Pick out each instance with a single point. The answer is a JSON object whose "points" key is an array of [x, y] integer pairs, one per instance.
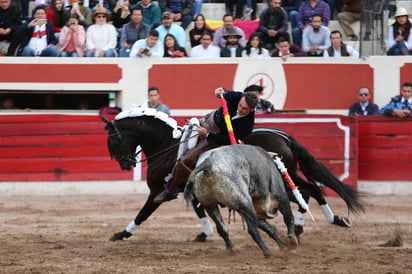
{"points": [[315, 171]]}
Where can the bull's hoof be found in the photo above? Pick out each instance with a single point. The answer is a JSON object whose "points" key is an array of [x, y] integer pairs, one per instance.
{"points": [[120, 236], [201, 238], [342, 221], [267, 254]]}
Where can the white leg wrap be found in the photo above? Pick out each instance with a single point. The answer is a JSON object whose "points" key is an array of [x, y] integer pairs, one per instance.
{"points": [[206, 226], [132, 227], [327, 212], [300, 218]]}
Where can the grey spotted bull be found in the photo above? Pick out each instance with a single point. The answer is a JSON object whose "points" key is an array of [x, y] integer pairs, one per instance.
{"points": [[243, 178]]}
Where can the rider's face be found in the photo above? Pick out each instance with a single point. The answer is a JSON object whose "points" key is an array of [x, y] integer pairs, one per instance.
{"points": [[243, 108]]}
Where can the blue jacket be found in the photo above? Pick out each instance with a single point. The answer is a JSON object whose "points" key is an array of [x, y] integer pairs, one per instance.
{"points": [[241, 126], [395, 103], [27, 33]]}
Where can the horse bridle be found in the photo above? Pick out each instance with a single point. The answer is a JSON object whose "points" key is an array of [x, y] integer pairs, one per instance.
{"points": [[132, 156]]}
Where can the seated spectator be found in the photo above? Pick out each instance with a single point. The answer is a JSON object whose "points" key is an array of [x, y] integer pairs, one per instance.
{"points": [[401, 105], [233, 48], [154, 101], [151, 47], [350, 13], [101, 36], [133, 31], [172, 48], [181, 10], [364, 106], [198, 28], [332, 7], [151, 13], [399, 34], [57, 15], [197, 7], [7, 103], [9, 25], [168, 26], [244, 14], [72, 38], [205, 49], [306, 11], [121, 14], [263, 106], [316, 38], [228, 23], [84, 13], [37, 36], [338, 48], [292, 7], [285, 50], [273, 24], [254, 47]]}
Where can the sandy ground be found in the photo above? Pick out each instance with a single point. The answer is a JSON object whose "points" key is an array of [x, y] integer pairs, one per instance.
{"points": [[69, 234]]}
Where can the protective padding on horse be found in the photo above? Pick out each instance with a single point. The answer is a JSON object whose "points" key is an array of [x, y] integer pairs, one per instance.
{"points": [[193, 124], [137, 112]]}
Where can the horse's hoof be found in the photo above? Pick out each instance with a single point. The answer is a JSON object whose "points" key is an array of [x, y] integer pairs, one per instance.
{"points": [[267, 254], [120, 236], [342, 221], [201, 238], [293, 242], [298, 230]]}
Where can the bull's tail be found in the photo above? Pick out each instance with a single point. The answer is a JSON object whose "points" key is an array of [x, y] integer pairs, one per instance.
{"points": [[315, 171], [188, 192]]}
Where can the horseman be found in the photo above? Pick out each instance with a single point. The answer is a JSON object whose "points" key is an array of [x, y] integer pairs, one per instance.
{"points": [[213, 133]]}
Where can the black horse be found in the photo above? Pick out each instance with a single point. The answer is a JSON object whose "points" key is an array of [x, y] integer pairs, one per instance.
{"points": [[157, 136]]}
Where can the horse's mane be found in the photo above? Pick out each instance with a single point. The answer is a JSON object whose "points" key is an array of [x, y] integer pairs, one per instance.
{"points": [[151, 112]]}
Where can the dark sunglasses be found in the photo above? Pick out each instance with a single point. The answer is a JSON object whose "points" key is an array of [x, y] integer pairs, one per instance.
{"points": [[101, 16], [363, 94]]}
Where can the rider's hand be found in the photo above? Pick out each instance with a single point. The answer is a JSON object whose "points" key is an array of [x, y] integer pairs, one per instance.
{"points": [[202, 131], [219, 92]]}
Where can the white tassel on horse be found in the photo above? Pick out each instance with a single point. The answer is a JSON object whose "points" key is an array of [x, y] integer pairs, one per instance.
{"points": [[295, 190]]}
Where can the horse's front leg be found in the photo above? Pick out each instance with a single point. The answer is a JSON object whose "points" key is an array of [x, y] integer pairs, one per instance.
{"points": [[144, 213], [204, 221]]}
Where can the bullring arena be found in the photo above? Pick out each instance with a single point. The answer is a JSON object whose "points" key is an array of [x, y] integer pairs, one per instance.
{"points": [[62, 198]]}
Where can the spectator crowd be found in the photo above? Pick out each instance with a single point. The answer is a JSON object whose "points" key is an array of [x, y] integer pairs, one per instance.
{"points": [[110, 28]]}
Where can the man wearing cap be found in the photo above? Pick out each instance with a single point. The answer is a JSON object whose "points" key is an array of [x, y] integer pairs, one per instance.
{"points": [[149, 47], [263, 106], [168, 26], [273, 24], [228, 24], [399, 34], [181, 11], [213, 133], [233, 48]]}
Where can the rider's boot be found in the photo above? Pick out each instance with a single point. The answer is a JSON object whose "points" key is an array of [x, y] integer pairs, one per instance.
{"points": [[169, 193]]}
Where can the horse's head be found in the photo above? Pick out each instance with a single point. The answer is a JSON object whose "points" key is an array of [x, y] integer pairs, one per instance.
{"points": [[124, 155]]}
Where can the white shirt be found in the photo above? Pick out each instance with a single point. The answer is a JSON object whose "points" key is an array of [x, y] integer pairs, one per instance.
{"points": [[200, 52], [157, 50], [101, 37], [254, 53], [336, 53], [37, 44]]}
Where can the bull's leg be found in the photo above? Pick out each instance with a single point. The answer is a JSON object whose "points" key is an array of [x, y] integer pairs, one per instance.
{"points": [[284, 208], [250, 218], [147, 210], [204, 221], [221, 228], [272, 232]]}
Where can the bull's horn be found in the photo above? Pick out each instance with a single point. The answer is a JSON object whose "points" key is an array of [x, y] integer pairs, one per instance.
{"points": [[104, 119]]}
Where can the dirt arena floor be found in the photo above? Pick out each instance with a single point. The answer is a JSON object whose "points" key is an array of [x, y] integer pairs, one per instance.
{"points": [[69, 234]]}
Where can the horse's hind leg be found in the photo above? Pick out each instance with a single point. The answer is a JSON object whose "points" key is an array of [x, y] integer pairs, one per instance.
{"points": [[204, 221], [221, 228], [317, 194]]}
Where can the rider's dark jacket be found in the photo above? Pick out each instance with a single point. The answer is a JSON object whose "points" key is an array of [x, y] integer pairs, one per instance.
{"points": [[242, 126]]}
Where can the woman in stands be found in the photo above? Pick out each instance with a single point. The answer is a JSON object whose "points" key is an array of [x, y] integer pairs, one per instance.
{"points": [[172, 48], [197, 31], [72, 39], [399, 34], [57, 15], [254, 48]]}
